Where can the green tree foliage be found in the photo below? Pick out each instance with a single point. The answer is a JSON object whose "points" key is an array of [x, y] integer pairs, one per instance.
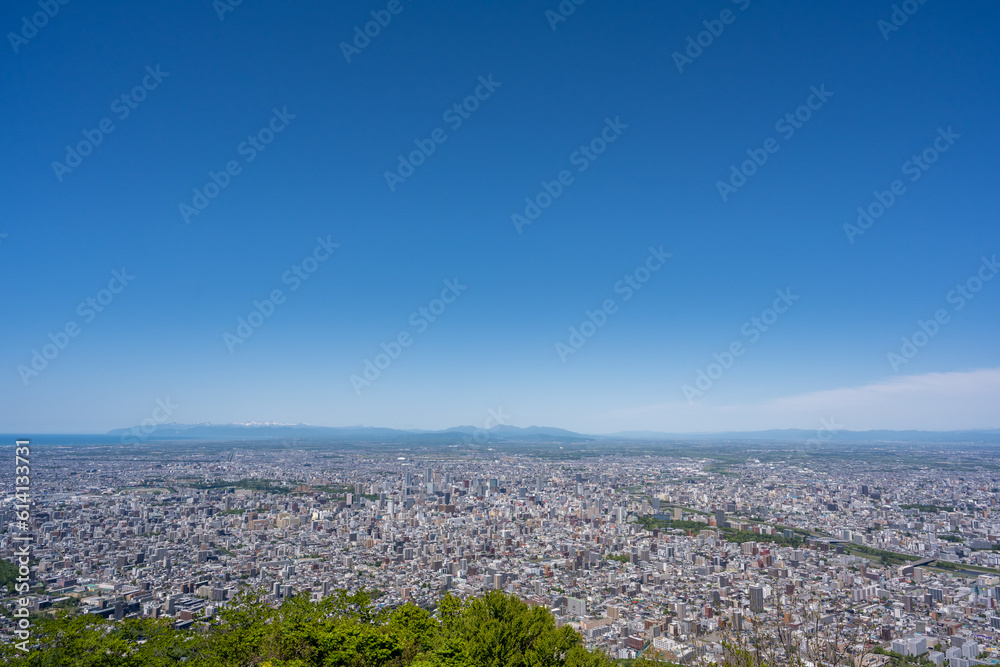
{"points": [[932, 509], [649, 523], [341, 630], [274, 486], [8, 574], [90, 641], [741, 536]]}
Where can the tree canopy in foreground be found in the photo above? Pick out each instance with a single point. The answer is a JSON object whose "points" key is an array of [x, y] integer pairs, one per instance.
{"points": [[495, 630]]}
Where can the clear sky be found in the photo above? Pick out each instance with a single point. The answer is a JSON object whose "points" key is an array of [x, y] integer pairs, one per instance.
{"points": [[633, 141]]}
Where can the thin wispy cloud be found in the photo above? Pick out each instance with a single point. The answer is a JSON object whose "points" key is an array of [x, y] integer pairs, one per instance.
{"points": [[931, 401]]}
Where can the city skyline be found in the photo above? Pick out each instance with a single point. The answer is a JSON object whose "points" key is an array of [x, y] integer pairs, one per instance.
{"points": [[664, 549]]}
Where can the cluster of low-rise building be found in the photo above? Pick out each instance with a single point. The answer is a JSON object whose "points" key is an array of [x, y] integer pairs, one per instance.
{"points": [[638, 553]]}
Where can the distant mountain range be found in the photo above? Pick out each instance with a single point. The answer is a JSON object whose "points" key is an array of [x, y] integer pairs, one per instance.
{"points": [[271, 430], [538, 434]]}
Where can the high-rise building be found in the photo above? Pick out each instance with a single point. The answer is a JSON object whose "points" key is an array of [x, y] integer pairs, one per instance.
{"points": [[757, 598]]}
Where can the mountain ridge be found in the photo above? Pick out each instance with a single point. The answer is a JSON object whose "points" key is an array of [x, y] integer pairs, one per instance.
{"points": [[272, 430]]}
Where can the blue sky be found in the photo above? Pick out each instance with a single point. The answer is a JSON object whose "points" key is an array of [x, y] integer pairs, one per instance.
{"points": [[609, 71]]}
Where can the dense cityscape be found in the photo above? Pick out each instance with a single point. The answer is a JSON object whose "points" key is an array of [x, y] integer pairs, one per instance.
{"points": [[645, 549]]}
